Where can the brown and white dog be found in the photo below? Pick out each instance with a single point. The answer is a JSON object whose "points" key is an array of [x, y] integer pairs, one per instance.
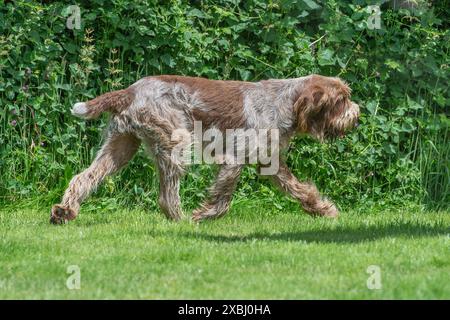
{"points": [[151, 109]]}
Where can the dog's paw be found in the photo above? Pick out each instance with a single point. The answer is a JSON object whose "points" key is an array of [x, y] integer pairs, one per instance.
{"points": [[207, 212], [203, 213], [61, 214], [198, 216], [323, 208], [329, 210]]}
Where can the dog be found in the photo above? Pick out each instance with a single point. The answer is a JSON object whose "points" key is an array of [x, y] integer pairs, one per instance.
{"points": [[153, 108]]}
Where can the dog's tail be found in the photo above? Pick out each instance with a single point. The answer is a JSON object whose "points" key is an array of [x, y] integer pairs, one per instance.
{"points": [[114, 102]]}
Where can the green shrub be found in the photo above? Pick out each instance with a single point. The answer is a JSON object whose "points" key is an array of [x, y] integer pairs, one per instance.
{"points": [[399, 75]]}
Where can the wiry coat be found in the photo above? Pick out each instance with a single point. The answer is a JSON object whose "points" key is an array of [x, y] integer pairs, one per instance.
{"points": [[153, 108]]}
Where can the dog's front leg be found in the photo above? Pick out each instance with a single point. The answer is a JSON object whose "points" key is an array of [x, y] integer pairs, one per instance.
{"points": [[169, 189], [220, 193], [305, 192]]}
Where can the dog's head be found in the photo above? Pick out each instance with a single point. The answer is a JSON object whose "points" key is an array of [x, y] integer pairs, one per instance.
{"points": [[324, 109]]}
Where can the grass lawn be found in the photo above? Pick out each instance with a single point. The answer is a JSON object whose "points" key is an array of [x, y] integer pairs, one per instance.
{"points": [[250, 254]]}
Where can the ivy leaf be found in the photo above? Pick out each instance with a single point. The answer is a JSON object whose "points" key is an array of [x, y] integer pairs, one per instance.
{"points": [[371, 106], [61, 86], [70, 47], [303, 14], [245, 74], [393, 64], [325, 57], [311, 4], [413, 105], [168, 60], [197, 13], [389, 148]]}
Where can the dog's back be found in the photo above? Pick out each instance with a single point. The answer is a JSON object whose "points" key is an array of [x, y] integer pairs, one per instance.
{"points": [[216, 103]]}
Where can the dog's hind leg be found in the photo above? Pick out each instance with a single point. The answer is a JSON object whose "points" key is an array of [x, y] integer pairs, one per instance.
{"points": [[305, 192], [220, 193], [113, 155], [169, 188]]}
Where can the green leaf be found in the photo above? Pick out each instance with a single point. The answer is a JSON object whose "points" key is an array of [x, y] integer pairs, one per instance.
{"points": [[168, 60], [197, 13], [371, 106], [325, 57], [393, 64], [311, 4], [65, 86]]}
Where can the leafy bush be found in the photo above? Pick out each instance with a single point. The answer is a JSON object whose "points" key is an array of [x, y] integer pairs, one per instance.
{"points": [[399, 75]]}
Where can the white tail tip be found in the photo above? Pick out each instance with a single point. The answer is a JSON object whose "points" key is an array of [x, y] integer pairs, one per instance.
{"points": [[80, 110]]}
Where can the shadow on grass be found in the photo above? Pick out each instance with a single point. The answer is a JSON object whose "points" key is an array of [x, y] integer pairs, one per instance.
{"points": [[336, 235]]}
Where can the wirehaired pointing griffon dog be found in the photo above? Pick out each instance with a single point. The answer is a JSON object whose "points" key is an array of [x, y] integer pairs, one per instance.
{"points": [[153, 108]]}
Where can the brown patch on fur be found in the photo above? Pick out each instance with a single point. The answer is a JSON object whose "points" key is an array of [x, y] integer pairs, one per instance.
{"points": [[222, 101], [114, 102], [319, 103]]}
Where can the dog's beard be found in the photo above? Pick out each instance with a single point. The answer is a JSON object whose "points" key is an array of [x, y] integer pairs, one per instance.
{"points": [[332, 134], [338, 127]]}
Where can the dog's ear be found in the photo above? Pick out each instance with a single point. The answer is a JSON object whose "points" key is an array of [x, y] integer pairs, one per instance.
{"points": [[310, 105], [321, 100]]}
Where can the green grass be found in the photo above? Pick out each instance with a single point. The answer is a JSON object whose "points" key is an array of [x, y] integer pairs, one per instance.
{"points": [[251, 253]]}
